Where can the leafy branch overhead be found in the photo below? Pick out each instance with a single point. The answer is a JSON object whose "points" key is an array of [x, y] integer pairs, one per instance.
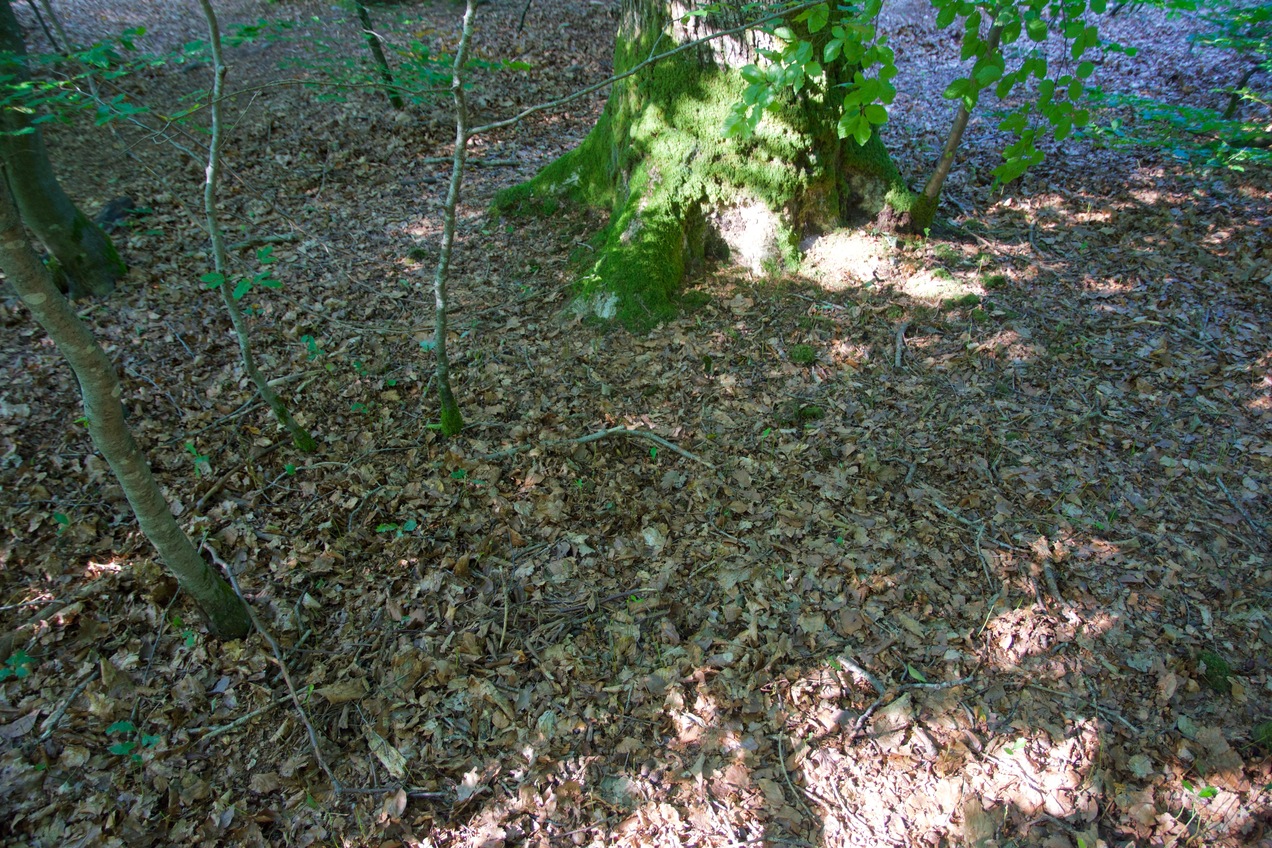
{"points": [[848, 38]]}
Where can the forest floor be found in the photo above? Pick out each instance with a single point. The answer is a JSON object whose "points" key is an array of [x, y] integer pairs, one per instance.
{"points": [[970, 576]]}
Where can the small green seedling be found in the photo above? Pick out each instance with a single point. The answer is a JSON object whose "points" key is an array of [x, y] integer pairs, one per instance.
{"points": [[129, 747], [313, 351], [201, 464], [63, 522], [398, 530], [18, 665], [1203, 792]]}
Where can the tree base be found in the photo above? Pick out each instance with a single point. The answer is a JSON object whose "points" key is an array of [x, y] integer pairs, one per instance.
{"points": [[679, 193]]}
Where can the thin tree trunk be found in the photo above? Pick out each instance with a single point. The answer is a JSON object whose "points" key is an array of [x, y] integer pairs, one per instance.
{"points": [[382, 64], [932, 191], [452, 421], [86, 260], [225, 614], [300, 436], [1234, 99]]}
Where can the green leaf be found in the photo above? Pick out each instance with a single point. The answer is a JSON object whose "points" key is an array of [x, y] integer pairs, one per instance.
{"points": [[875, 114], [1036, 29], [987, 74], [1085, 69], [784, 33], [212, 279], [862, 132], [241, 288], [1208, 792], [956, 89], [122, 749], [945, 17], [817, 17], [122, 727], [915, 673]]}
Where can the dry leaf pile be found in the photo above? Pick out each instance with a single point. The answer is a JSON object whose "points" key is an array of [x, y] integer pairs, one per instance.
{"points": [[965, 542]]}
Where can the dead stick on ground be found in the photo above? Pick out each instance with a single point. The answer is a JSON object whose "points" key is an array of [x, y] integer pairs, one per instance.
{"points": [[1052, 586], [781, 758], [278, 657], [612, 431], [862, 673], [906, 687], [900, 344], [217, 730], [1253, 525], [51, 723]]}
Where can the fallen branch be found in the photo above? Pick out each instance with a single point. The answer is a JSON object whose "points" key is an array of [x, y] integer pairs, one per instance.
{"points": [[909, 468], [1049, 575], [278, 658], [593, 437], [51, 723], [900, 344], [906, 687], [1255, 526], [1104, 711], [385, 790], [217, 730], [862, 673]]}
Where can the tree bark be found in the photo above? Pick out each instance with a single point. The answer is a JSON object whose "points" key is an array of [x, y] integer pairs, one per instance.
{"points": [[377, 53], [225, 614], [300, 436], [85, 261], [678, 192]]}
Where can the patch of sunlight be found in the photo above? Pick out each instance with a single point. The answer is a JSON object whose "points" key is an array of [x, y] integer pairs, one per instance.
{"points": [[936, 285], [865, 789], [98, 569], [847, 258]]}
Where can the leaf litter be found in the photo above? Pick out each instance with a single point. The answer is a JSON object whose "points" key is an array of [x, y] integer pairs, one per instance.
{"points": [[989, 565]]}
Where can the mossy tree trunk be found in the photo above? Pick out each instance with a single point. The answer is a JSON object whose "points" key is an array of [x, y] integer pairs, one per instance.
{"points": [[677, 189], [85, 260], [226, 616]]}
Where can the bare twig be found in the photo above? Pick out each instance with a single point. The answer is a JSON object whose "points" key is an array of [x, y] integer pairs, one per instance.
{"points": [[1254, 525], [781, 758], [862, 673], [217, 730], [385, 790], [909, 467], [282, 666], [50, 724], [592, 437], [906, 687], [224, 478], [263, 240], [900, 344], [1053, 587], [1104, 711]]}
